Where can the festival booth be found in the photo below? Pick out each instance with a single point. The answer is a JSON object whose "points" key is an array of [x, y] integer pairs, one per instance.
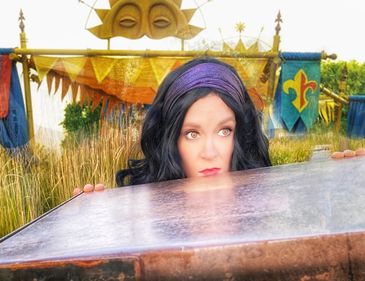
{"points": [[119, 79], [291, 222]]}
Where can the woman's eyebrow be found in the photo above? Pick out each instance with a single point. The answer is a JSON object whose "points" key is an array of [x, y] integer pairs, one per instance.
{"points": [[226, 120], [191, 124]]}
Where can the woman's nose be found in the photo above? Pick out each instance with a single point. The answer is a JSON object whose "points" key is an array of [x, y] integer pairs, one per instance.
{"points": [[209, 150]]}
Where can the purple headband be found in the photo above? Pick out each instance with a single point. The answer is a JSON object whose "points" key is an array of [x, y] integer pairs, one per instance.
{"points": [[205, 75]]}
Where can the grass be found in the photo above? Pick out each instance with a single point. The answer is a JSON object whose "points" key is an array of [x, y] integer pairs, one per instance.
{"points": [[35, 182], [32, 183]]}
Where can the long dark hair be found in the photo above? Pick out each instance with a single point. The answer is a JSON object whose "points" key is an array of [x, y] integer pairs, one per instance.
{"points": [[160, 133]]}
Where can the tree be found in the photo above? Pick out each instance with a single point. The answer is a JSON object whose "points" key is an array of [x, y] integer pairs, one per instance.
{"points": [[331, 73], [81, 120]]}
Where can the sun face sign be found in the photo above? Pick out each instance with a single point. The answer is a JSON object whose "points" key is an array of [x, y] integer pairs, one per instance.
{"points": [[153, 18]]}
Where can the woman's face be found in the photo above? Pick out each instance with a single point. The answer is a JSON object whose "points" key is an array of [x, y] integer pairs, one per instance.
{"points": [[206, 139]]}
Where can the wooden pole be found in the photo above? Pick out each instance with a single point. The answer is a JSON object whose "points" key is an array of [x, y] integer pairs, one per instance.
{"points": [[342, 91], [339, 99], [26, 79], [142, 53], [275, 62]]}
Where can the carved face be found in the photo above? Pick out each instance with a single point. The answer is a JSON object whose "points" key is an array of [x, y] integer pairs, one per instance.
{"points": [[153, 18]]}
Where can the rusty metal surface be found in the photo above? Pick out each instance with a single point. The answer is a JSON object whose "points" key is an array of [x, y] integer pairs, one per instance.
{"points": [[292, 222]]}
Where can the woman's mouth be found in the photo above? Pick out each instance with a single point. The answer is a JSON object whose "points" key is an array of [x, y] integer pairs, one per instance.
{"points": [[210, 171]]}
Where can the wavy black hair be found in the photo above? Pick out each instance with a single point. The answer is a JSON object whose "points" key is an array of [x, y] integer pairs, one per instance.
{"points": [[160, 133]]}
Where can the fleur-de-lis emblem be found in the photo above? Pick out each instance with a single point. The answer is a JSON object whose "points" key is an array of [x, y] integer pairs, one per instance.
{"points": [[300, 85]]}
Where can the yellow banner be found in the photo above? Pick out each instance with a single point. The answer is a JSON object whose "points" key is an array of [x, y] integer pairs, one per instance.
{"points": [[102, 67], [132, 80]]}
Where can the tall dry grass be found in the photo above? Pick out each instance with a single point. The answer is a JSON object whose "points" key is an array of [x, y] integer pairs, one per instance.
{"points": [[298, 149], [34, 183]]}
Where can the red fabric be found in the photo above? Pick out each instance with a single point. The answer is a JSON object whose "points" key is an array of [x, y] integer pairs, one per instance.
{"points": [[5, 74]]}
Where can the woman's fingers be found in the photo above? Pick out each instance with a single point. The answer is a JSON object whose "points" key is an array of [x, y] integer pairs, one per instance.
{"points": [[348, 153], [338, 155], [76, 191], [99, 187], [88, 187]]}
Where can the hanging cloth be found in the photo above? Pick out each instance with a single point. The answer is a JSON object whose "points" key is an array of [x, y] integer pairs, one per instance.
{"points": [[14, 128], [5, 73], [297, 95], [356, 117]]}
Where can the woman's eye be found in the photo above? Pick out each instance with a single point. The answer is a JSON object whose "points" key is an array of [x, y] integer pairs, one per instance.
{"points": [[192, 135], [225, 132]]}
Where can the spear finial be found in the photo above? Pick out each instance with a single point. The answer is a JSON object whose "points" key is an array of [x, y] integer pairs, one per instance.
{"points": [[278, 21], [21, 19]]}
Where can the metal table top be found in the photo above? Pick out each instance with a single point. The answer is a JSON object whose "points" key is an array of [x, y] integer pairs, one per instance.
{"points": [[275, 219]]}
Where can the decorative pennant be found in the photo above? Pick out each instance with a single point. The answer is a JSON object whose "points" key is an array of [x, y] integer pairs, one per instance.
{"points": [[65, 86], [127, 70], [148, 78], [56, 83], [74, 89], [161, 67], [133, 70], [102, 67], [84, 94], [112, 102], [74, 66], [50, 76], [252, 70], [96, 101], [44, 64]]}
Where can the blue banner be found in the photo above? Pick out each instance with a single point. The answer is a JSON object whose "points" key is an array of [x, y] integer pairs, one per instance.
{"points": [[297, 94], [356, 117], [14, 128]]}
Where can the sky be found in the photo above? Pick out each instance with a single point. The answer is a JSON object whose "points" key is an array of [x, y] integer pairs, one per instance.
{"points": [[335, 26]]}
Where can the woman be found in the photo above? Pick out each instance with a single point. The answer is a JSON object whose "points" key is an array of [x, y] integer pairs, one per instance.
{"points": [[202, 122]]}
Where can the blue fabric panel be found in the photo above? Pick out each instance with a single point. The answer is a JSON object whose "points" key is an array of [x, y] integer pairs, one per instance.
{"points": [[275, 121], [300, 99], [14, 128], [356, 117], [285, 114], [6, 51]]}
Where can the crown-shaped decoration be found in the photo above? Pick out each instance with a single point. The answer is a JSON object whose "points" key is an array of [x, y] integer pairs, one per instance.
{"points": [[240, 46]]}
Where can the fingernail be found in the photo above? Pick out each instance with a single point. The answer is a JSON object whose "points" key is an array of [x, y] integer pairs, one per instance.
{"points": [[88, 188]]}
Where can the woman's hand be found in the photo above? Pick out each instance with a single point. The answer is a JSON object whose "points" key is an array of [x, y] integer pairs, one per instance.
{"points": [[89, 188], [348, 153]]}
